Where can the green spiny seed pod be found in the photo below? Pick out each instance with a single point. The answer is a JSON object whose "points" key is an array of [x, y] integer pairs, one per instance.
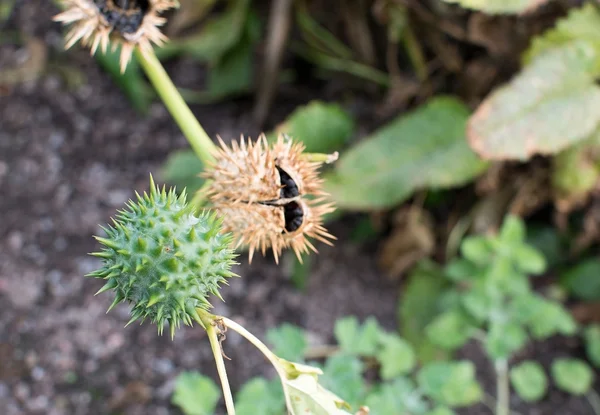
{"points": [[163, 259]]}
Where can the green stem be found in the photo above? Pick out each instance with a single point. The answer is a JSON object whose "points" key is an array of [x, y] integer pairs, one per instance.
{"points": [[207, 321], [502, 387], [189, 125]]}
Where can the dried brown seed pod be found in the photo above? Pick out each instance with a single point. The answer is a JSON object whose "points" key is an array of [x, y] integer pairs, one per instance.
{"points": [[129, 23], [269, 196]]}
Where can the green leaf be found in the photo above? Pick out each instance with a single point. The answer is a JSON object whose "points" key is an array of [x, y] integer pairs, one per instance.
{"points": [[512, 230], [182, 169], [529, 380], [528, 116], [343, 376], [499, 6], [217, 36], [398, 397], [419, 306], [233, 72], [450, 383], [131, 81], [424, 149], [195, 394], [529, 260], [477, 249], [396, 356], [307, 396], [460, 269], [322, 127], [504, 339], [583, 280], [257, 396], [572, 375], [592, 343], [289, 342], [550, 318], [354, 339], [580, 24], [449, 330]]}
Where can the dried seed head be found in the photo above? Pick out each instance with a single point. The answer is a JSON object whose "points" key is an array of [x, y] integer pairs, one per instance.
{"points": [[269, 196], [129, 23]]}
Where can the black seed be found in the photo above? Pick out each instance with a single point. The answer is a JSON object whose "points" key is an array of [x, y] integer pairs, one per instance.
{"points": [[289, 189], [125, 16], [294, 216]]}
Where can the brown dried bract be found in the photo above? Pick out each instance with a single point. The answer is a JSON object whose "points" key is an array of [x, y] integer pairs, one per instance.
{"points": [[261, 191], [129, 23]]}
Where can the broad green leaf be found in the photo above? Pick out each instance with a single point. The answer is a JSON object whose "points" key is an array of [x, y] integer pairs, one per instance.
{"points": [[342, 375], [307, 396], [396, 398], [503, 340], [551, 105], [182, 170], [259, 396], [419, 306], [131, 81], [580, 24], [529, 380], [289, 342], [592, 343], [195, 394], [500, 6], [450, 383], [583, 279], [449, 330], [396, 356], [355, 339], [572, 375], [423, 149], [322, 127]]}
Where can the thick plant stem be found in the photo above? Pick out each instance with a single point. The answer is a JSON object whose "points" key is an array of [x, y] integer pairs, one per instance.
{"points": [[189, 125], [502, 387], [215, 345]]}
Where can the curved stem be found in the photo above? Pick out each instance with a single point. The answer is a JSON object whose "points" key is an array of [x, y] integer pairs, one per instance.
{"points": [[502, 387], [189, 125], [217, 353]]}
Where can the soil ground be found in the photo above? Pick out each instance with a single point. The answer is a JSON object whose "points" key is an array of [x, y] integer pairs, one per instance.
{"points": [[69, 157]]}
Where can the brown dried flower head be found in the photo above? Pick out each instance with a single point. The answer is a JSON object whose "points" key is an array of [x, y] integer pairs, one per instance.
{"points": [[130, 23], [269, 196]]}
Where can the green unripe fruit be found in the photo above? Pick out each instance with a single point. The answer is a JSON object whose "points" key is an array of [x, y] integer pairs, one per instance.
{"points": [[163, 259]]}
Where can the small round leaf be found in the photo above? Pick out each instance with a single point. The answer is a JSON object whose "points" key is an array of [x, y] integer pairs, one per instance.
{"points": [[529, 380], [572, 375]]}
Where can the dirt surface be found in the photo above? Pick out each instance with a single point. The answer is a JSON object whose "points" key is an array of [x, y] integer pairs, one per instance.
{"points": [[69, 157]]}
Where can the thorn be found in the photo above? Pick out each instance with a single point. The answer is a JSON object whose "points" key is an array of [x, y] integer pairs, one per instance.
{"points": [[108, 286], [108, 242]]}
